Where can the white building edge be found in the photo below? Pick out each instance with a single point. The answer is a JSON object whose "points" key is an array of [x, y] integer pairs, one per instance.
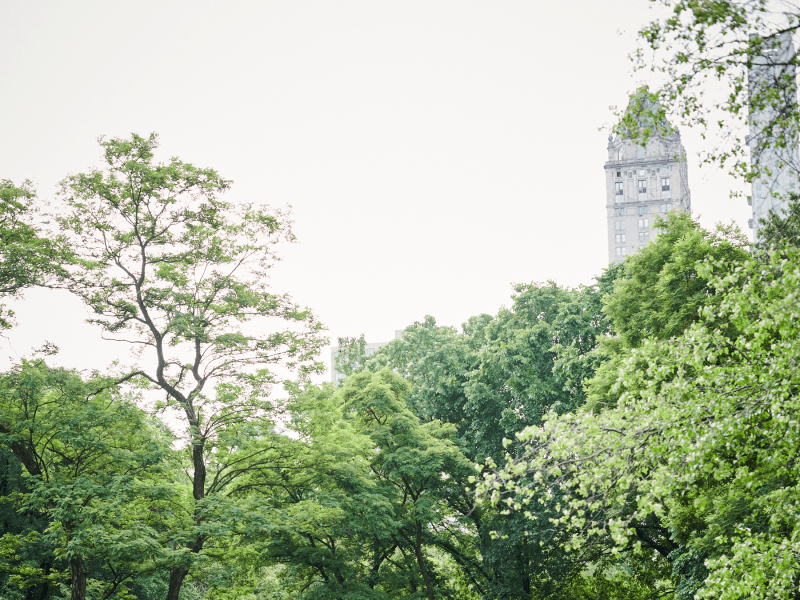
{"points": [[773, 136]]}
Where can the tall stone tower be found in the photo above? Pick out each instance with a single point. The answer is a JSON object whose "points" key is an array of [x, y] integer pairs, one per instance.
{"points": [[772, 139], [641, 183]]}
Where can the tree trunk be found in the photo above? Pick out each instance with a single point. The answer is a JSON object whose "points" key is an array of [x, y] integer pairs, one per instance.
{"points": [[77, 578], [418, 551], [199, 465], [176, 577], [178, 574]]}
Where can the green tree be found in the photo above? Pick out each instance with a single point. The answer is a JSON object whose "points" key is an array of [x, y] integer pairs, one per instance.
{"points": [[377, 510], [28, 255], [703, 438], [22, 547], [658, 293], [777, 231], [436, 360], [92, 460], [702, 50], [166, 265], [486, 380], [418, 460]]}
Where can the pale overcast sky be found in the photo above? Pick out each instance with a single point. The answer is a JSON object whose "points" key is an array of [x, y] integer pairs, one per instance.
{"points": [[433, 152]]}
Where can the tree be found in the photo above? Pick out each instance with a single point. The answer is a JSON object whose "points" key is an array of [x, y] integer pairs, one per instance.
{"points": [[704, 439], [168, 266], [21, 545], [778, 231], [92, 460], [28, 256], [696, 43], [489, 380], [416, 460], [436, 361], [376, 507], [658, 293]]}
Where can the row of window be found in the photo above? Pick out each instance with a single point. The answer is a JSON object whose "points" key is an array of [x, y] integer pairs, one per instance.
{"points": [[620, 225], [619, 211], [619, 191], [644, 236], [643, 172]]}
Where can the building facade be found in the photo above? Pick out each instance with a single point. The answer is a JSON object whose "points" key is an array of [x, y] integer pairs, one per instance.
{"points": [[772, 139], [642, 182]]}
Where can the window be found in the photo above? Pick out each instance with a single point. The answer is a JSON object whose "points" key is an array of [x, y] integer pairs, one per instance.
{"points": [[644, 236], [620, 237], [619, 173], [619, 225], [619, 211], [642, 210], [642, 190], [619, 193], [641, 151], [644, 222], [621, 251], [665, 191], [666, 207], [370, 351]]}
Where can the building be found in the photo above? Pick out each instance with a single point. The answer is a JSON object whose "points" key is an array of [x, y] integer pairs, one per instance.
{"points": [[643, 181], [369, 350], [772, 139]]}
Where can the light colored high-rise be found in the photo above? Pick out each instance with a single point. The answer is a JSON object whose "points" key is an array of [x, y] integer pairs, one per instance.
{"points": [[772, 85], [643, 181]]}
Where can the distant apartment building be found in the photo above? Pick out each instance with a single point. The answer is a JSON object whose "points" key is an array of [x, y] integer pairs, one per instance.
{"points": [[643, 181], [772, 139], [369, 350]]}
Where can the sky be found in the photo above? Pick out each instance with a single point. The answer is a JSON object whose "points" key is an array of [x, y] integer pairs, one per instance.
{"points": [[433, 152]]}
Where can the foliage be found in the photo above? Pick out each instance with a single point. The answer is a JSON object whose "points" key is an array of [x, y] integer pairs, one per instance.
{"points": [[660, 291], [701, 51], [92, 460], [703, 439], [778, 230], [490, 379], [378, 509], [436, 361], [166, 265], [28, 256], [22, 550]]}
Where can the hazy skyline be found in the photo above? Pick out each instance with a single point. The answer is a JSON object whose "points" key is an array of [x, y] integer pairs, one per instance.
{"points": [[433, 152]]}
